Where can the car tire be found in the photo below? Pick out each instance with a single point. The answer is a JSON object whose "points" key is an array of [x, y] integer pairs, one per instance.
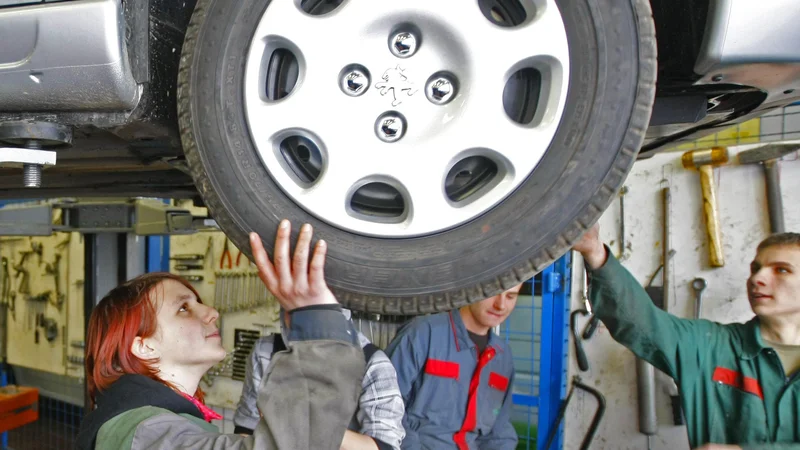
{"points": [[611, 90]]}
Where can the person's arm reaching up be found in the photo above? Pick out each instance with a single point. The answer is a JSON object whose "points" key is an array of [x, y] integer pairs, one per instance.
{"points": [[312, 389], [633, 320]]}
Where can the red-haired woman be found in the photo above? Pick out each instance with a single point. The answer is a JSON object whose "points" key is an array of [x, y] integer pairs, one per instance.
{"points": [[152, 339]]}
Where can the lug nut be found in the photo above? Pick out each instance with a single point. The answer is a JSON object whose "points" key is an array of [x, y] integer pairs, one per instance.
{"points": [[403, 44], [440, 89], [354, 81], [390, 127]]}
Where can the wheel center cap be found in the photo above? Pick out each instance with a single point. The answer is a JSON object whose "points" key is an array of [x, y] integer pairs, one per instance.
{"points": [[394, 81]]}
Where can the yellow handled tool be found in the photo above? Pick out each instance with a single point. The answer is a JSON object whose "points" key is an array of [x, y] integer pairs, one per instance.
{"points": [[704, 162]]}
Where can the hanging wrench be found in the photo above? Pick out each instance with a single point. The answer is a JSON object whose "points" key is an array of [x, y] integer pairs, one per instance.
{"points": [[238, 299], [228, 292], [234, 291], [622, 243], [253, 289], [6, 282], [223, 297], [699, 285], [217, 293], [7, 297]]}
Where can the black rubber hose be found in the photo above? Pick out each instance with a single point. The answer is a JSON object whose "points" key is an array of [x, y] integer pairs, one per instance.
{"points": [[591, 327], [583, 361]]}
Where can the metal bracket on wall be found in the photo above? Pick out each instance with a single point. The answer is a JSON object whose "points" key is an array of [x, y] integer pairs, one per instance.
{"points": [[142, 217], [551, 282]]}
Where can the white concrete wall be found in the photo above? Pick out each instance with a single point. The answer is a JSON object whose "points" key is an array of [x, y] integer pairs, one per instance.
{"points": [[745, 222]]}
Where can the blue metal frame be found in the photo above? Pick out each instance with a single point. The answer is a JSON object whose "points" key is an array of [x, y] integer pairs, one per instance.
{"points": [[547, 358], [556, 282], [157, 254], [3, 382]]}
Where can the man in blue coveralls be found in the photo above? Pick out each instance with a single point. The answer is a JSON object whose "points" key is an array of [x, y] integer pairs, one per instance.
{"points": [[455, 376]]}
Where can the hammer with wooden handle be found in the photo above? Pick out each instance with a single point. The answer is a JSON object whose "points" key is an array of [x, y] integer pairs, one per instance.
{"points": [[704, 162]]}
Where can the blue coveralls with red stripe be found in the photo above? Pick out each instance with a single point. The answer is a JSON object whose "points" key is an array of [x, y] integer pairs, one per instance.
{"points": [[455, 398]]}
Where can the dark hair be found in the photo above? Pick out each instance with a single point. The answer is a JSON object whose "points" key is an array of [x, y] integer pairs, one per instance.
{"points": [[123, 314], [780, 239]]}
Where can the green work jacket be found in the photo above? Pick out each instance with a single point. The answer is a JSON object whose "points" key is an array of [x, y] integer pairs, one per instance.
{"points": [[733, 388]]}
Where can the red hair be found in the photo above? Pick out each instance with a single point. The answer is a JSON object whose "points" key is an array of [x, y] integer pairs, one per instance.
{"points": [[126, 312]]}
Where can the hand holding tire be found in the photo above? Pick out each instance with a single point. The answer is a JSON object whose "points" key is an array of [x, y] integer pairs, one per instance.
{"points": [[293, 280], [591, 248]]}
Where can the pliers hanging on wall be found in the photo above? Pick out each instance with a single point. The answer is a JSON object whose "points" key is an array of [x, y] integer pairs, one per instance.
{"points": [[5, 295], [239, 258], [226, 255]]}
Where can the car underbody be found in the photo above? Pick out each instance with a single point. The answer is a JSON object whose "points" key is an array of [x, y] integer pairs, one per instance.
{"points": [[125, 140]]}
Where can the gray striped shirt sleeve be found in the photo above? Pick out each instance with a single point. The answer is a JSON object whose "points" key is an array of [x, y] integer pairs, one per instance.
{"points": [[380, 406]]}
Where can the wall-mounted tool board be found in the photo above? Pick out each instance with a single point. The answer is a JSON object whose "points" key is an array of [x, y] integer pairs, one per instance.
{"points": [[45, 321]]}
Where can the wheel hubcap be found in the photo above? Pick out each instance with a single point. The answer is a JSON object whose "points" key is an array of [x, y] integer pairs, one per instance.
{"points": [[419, 137]]}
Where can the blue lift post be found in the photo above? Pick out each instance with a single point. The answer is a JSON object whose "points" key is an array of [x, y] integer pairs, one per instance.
{"points": [[4, 382], [556, 282], [157, 254], [539, 337]]}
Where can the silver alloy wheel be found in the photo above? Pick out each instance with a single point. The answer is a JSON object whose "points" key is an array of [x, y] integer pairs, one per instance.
{"points": [[453, 161]]}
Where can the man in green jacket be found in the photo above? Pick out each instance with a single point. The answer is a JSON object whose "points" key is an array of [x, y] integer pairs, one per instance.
{"points": [[738, 382]]}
